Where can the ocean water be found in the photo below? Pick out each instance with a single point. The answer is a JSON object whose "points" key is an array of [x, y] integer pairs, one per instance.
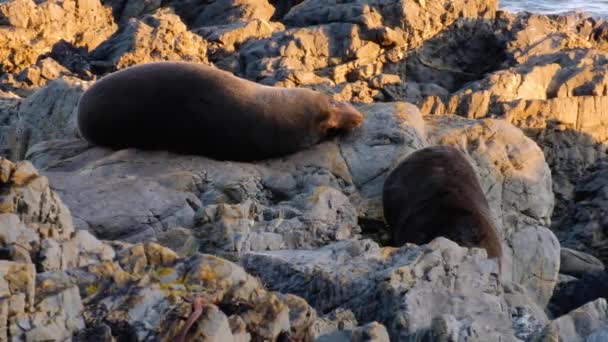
{"points": [[596, 8]]}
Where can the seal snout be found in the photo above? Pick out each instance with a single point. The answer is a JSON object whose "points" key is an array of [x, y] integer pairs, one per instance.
{"points": [[352, 119]]}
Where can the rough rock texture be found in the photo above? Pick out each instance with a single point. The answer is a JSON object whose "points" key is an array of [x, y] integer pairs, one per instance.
{"points": [[370, 332], [578, 324], [416, 21], [47, 114], [220, 12], [37, 235], [154, 37], [29, 29], [161, 292], [414, 291], [302, 221], [553, 85], [36, 226], [311, 198], [56, 283], [581, 227]]}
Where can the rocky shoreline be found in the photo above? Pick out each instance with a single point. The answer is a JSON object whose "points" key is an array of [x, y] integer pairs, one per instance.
{"points": [[125, 245]]}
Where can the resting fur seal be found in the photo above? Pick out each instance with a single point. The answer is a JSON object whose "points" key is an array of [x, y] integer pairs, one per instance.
{"points": [[435, 192], [197, 109]]}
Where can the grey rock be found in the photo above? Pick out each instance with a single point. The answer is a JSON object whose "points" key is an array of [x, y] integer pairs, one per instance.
{"points": [[30, 198], [580, 323], [525, 323], [501, 172], [338, 319], [599, 335], [47, 114], [392, 285], [17, 284], [580, 225], [181, 240], [35, 225], [371, 332], [57, 317], [309, 220], [310, 198], [34, 77], [577, 263]]}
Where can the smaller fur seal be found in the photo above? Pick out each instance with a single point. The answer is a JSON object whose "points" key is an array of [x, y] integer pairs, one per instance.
{"points": [[435, 192], [197, 109]]}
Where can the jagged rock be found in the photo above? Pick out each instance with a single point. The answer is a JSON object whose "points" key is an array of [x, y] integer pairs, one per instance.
{"points": [[141, 291], [57, 316], [525, 323], [155, 37], [528, 34], [580, 323], [229, 37], [34, 77], [27, 195], [123, 10], [554, 88], [234, 303], [385, 33], [561, 74], [17, 284], [222, 12], [338, 319], [371, 332], [418, 20], [559, 100], [36, 227], [580, 227], [29, 29], [73, 58], [47, 114], [9, 106], [463, 52], [412, 92], [181, 240], [309, 220], [335, 48], [394, 285]]}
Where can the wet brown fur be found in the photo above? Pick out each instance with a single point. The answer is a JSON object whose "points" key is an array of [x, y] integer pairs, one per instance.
{"points": [[435, 192], [197, 109]]}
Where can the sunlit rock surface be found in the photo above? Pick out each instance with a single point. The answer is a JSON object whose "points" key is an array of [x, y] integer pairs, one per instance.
{"points": [[149, 236]]}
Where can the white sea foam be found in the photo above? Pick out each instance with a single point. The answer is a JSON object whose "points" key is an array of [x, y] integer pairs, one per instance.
{"points": [[591, 7]]}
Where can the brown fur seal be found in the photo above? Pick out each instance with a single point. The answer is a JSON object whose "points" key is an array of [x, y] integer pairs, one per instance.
{"points": [[197, 109], [435, 192]]}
